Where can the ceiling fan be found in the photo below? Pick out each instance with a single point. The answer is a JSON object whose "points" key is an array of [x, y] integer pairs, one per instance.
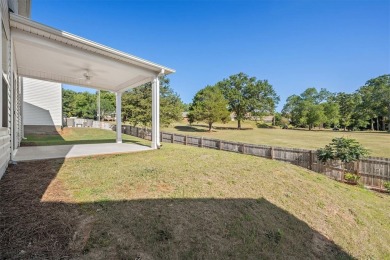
{"points": [[86, 76]]}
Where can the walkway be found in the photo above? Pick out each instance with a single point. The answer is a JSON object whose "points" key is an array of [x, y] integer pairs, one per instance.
{"points": [[31, 153]]}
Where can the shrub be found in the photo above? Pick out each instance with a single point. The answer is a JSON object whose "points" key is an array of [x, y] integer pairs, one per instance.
{"points": [[351, 177], [387, 185], [343, 149], [262, 125]]}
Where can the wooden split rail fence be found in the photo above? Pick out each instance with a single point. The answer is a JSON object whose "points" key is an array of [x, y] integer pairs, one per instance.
{"points": [[374, 171]]}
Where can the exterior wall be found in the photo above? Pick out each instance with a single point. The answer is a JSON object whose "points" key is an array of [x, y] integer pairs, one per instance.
{"points": [[42, 103], [11, 131], [21, 7], [7, 84], [4, 150]]}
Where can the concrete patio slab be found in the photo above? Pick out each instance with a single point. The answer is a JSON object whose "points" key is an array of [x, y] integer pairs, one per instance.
{"points": [[31, 153]]}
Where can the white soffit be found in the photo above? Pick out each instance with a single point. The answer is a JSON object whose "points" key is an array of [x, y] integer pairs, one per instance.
{"points": [[49, 54]]}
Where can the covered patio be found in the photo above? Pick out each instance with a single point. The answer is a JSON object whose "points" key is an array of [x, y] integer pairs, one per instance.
{"points": [[45, 53], [33, 153]]}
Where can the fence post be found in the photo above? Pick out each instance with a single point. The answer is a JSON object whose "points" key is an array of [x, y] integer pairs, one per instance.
{"points": [[220, 145], [243, 148], [310, 159], [172, 137], [201, 142], [272, 152], [161, 137], [357, 167], [136, 131], [185, 140]]}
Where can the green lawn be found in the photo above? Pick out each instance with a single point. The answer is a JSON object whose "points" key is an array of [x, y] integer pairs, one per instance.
{"points": [[183, 202], [377, 142]]}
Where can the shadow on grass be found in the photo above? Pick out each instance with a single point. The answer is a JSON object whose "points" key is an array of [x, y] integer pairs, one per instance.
{"points": [[33, 225], [339, 131], [190, 128], [198, 128]]}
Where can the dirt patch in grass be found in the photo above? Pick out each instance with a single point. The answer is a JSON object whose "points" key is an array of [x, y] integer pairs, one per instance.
{"points": [[66, 131]]}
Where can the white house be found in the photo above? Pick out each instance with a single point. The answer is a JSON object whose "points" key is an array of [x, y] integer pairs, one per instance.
{"points": [[42, 105], [37, 51]]}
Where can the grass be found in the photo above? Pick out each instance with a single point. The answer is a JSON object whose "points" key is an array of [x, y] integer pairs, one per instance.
{"points": [[376, 142], [183, 202], [78, 136]]}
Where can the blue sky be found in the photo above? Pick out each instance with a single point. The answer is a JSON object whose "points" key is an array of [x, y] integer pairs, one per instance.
{"points": [[337, 45]]}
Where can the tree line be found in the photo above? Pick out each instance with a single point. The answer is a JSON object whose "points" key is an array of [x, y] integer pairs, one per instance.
{"points": [[245, 97], [367, 107]]}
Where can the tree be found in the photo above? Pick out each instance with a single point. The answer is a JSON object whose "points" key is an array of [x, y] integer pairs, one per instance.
{"points": [[78, 104], [280, 120], [186, 107], [68, 97], [85, 105], [315, 115], [347, 106], [331, 113], [209, 105], [107, 103], [137, 104], [365, 109], [246, 95], [308, 109], [376, 95], [293, 109], [171, 106]]}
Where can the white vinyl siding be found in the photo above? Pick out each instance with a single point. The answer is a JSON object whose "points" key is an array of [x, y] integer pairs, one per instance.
{"points": [[6, 88], [42, 102]]}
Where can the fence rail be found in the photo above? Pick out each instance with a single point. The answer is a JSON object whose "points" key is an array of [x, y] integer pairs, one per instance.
{"points": [[374, 171]]}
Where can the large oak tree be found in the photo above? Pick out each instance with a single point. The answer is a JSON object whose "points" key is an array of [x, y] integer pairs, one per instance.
{"points": [[247, 95]]}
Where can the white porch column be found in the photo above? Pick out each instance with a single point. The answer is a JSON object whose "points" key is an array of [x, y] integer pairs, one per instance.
{"points": [[118, 117], [155, 114], [158, 111]]}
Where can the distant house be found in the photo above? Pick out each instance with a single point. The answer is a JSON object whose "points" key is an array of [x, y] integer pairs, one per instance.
{"points": [[249, 116], [42, 105], [184, 115], [268, 119]]}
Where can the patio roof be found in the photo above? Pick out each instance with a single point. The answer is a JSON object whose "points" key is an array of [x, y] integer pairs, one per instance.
{"points": [[45, 53]]}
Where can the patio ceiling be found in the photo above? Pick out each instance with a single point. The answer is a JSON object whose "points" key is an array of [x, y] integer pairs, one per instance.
{"points": [[46, 53]]}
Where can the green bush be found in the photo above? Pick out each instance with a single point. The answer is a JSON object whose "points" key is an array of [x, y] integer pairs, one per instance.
{"points": [[263, 125], [343, 149], [387, 185], [351, 177]]}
